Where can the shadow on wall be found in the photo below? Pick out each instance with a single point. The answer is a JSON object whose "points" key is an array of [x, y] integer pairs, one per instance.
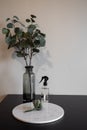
{"points": [[5, 53], [42, 59], [2, 97], [5, 56], [42, 66]]}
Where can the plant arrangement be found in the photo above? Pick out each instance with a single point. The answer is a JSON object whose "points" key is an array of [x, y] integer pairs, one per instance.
{"points": [[25, 38]]}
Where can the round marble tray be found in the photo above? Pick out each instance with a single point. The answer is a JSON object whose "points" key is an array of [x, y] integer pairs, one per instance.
{"points": [[49, 113]]}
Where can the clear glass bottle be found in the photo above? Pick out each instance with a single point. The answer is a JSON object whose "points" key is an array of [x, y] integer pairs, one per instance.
{"points": [[44, 89], [45, 94], [28, 84]]}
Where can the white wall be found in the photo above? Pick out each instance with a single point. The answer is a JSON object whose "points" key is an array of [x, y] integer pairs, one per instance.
{"points": [[65, 57]]}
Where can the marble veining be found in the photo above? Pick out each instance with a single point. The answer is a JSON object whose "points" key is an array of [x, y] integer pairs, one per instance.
{"points": [[49, 113]]}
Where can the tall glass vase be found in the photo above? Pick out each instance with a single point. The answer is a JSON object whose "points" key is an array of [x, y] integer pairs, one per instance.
{"points": [[28, 84]]}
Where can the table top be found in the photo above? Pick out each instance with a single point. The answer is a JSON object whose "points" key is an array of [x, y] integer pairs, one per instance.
{"points": [[75, 116]]}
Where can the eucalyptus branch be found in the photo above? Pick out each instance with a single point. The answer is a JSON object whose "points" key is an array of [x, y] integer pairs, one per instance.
{"points": [[25, 39]]}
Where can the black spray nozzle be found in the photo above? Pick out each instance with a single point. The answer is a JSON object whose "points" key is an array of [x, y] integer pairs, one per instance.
{"points": [[45, 78]]}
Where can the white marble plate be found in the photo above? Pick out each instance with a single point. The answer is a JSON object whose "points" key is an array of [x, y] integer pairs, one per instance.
{"points": [[49, 113]]}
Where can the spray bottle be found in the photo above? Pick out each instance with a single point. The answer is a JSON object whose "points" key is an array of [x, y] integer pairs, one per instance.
{"points": [[44, 89]]}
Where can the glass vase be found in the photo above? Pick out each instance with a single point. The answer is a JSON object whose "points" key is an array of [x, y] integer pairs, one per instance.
{"points": [[28, 84]]}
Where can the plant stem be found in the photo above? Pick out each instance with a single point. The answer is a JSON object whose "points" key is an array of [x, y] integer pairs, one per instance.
{"points": [[25, 60], [30, 57], [30, 62]]}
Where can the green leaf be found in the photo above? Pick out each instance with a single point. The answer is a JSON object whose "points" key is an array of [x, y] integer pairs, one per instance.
{"points": [[38, 31], [21, 54], [42, 40], [31, 28], [14, 21], [8, 39], [5, 31], [27, 35], [13, 39], [16, 17], [33, 16], [29, 110], [36, 50], [7, 19], [44, 35], [37, 42], [10, 25], [32, 20], [27, 20], [18, 32], [35, 34]]}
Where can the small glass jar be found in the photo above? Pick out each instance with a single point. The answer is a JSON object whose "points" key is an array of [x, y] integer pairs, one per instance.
{"points": [[28, 84]]}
